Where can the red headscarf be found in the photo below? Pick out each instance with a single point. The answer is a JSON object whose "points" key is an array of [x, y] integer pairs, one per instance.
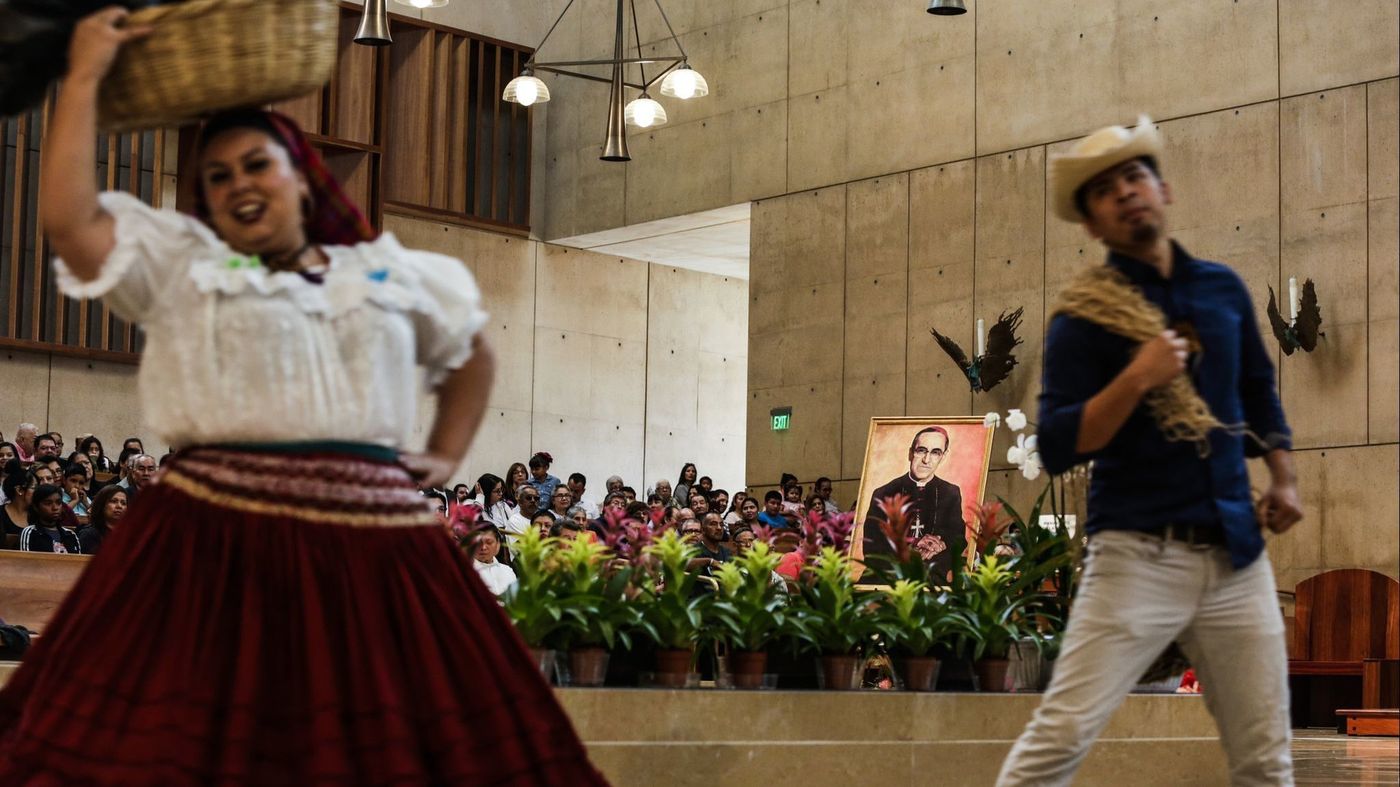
{"points": [[333, 218]]}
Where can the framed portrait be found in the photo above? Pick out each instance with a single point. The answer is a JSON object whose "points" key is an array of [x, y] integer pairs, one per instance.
{"points": [[941, 465]]}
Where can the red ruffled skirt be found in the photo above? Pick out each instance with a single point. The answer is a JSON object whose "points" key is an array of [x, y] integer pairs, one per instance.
{"points": [[262, 618]]}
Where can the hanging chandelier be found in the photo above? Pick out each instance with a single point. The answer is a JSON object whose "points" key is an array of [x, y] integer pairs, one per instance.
{"points": [[676, 80]]}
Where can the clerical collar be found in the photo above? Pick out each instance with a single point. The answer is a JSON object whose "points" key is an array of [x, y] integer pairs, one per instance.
{"points": [[917, 483]]}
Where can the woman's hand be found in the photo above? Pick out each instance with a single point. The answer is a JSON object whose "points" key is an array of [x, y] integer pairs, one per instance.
{"points": [[429, 470], [96, 40]]}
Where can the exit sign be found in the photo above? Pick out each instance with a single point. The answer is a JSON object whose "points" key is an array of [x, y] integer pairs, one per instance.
{"points": [[782, 418]]}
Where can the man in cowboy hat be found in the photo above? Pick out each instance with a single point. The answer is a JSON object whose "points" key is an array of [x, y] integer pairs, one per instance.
{"points": [[1176, 549]]}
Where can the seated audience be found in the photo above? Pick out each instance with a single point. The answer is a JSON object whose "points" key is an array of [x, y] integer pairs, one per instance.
{"points": [[578, 487], [772, 515], [540, 478], [567, 529], [75, 496], [488, 548], [92, 447], [560, 502], [680, 497], [527, 508], [107, 509], [139, 470], [14, 515], [45, 532]]}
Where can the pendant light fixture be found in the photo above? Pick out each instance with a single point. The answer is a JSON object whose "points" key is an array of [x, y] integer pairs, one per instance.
{"points": [[676, 79], [946, 7], [374, 25], [422, 3]]}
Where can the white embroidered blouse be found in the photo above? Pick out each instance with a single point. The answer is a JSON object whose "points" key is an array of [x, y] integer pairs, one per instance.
{"points": [[235, 353]]}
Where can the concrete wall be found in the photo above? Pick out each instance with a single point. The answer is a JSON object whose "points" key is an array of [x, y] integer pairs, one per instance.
{"points": [[927, 208]]}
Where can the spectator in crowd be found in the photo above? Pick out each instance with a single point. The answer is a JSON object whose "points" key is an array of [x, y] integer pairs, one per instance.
{"points": [[139, 469], [613, 484], [772, 515], [792, 560], [578, 487], [543, 522], [560, 502], [528, 506], [734, 514], [80, 459], [7, 452], [699, 504], [45, 532], [641, 512], [822, 488], [630, 494], [663, 490], [655, 503], [8, 455], [108, 507], [14, 515], [540, 478], [92, 447], [24, 441], [706, 484], [815, 505], [690, 530], [614, 505], [566, 529], [719, 501], [748, 513], [743, 541], [670, 516], [494, 508], [515, 476], [461, 495], [711, 544], [133, 445], [792, 499], [75, 494], [681, 494], [45, 448], [488, 546]]}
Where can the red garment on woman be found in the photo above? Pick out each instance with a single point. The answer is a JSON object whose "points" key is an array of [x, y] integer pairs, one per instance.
{"points": [[270, 618]]}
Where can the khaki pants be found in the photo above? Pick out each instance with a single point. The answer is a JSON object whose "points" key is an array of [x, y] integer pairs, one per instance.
{"points": [[1139, 593]]}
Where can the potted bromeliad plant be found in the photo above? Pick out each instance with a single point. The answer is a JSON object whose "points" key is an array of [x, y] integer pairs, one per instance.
{"points": [[595, 604], [749, 612], [916, 622], [672, 612], [1000, 613], [834, 618], [533, 601]]}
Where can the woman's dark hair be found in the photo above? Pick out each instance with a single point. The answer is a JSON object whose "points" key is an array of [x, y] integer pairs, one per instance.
{"points": [[13, 449], [639, 512], [126, 454], [459, 487], [510, 489], [15, 478], [229, 120], [488, 483], [75, 470], [541, 459], [681, 478], [87, 442], [44, 492], [503, 556], [136, 440], [788, 479], [97, 512]]}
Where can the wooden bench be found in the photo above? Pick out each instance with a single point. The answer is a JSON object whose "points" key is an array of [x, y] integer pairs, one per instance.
{"points": [[1360, 721], [34, 584], [1346, 645]]}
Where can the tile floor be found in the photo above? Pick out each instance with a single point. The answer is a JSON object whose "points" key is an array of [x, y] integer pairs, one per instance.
{"points": [[1322, 757]]}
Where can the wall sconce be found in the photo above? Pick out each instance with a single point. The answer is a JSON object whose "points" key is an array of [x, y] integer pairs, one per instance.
{"points": [[1301, 330]]}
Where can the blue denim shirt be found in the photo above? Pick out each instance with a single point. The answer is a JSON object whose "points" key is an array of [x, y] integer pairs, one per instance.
{"points": [[1140, 479]]}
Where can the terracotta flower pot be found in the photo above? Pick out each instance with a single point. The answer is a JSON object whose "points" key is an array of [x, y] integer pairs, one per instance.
{"points": [[748, 668], [991, 674], [673, 667], [840, 672], [919, 673], [588, 666]]}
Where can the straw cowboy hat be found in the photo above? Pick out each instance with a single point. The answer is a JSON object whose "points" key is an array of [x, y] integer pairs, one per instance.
{"points": [[1105, 148]]}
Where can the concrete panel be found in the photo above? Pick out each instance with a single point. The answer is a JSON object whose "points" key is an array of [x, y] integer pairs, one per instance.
{"points": [[817, 138], [941, 214], [560, 216], [1359, 507], [815, 64], [1383, 309], [96, 397], [503, 440], [592, 293], [26, 398], [864, 398], [1323, 148], [1349, 42], [877, 232], [1010, 267], [1058, 69], [744, 59], [678, 168], [811, 448], [1324, 392], [590, 446], [911, 118], [504, 268], [758, 163], [1382, 130], [588, 376], [600, 190]]}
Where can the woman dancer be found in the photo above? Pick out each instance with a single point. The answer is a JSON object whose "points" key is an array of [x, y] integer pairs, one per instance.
{"points": [[275, 612]]}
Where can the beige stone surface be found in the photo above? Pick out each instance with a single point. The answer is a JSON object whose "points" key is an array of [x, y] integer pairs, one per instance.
{"points": [[1352, 44], [1323, 149], [1383, 309], [96, 397], [26, 399], [1383, 145]]}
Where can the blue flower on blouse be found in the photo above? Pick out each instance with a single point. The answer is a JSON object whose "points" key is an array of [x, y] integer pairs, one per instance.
{"points": [[381, 275]]}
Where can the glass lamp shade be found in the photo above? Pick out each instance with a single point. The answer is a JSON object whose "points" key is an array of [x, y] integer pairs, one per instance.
{"points": [[644, 112], [525, 90], [422, 3], [684, 82]]}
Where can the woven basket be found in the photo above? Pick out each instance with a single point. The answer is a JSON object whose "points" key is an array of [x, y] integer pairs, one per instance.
{"points": [[208, 55]]}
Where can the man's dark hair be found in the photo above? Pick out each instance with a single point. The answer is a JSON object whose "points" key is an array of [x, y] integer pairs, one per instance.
{"points": [[717, 492], [562, 525], [788, 480], [578, 478], [614, 496], [540, 460], [626, 490], [773, 494], [947, 441], [75, 470], [1081, 196], [823, 480]]}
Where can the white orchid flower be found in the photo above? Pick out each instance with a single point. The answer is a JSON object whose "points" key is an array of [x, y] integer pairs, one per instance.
{"points": [[1016, 454], [991, 420], [1015, 420], [1031, 469]]}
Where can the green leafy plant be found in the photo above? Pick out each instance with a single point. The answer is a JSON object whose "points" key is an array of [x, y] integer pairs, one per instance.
{"points": [[914, 620], [672, 613], [750, 611], [995, 606], [533, 602], [834, 617], [594, 600]]}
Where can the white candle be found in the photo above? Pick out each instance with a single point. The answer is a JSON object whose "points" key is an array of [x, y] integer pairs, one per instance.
{"points": [[981, 337], [1292, 299]]}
